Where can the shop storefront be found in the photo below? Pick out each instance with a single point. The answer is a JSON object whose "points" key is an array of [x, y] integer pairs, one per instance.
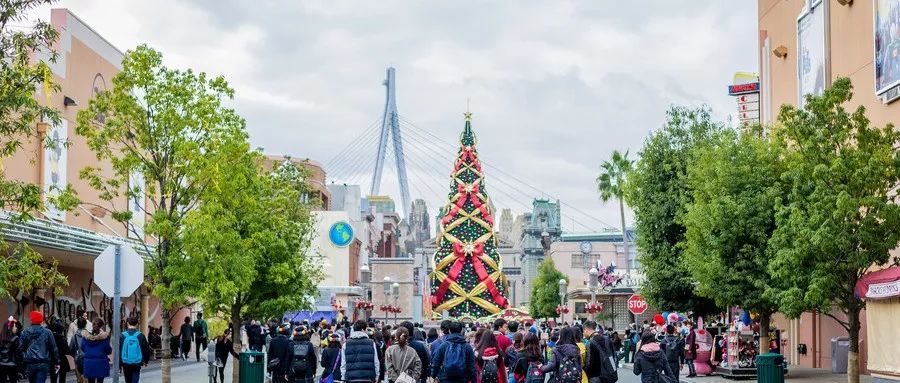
{"points": [[881, 291]]}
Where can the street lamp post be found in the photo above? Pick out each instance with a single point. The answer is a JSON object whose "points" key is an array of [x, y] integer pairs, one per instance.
{"points": [[562, 298], [395, 289], [387, 294]]}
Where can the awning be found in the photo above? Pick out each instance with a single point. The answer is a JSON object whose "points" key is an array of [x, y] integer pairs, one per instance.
{"points": [[879, 284]]}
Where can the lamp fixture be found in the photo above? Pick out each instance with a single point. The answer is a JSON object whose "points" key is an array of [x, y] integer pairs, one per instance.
{"points": [[845, 2], [781, 51], [68, 101]]}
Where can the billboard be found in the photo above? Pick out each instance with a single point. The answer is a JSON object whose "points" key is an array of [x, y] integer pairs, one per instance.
{"points": [[887, 45], [811, 51], [55, 167]]}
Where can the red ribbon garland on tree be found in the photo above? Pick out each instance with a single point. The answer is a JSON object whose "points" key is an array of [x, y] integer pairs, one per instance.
{"points": [[457, 267], [468, 195]]}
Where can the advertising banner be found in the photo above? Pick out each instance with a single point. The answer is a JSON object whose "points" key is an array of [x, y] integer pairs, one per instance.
{"points": [[811, 52], [887, 45], [55, 167]]}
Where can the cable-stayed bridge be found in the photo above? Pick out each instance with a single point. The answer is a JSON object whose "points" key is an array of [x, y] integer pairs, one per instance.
{"points": [[420, 161]]}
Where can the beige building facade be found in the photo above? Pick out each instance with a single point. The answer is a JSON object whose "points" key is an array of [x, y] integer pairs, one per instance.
{"points": [[803, 47]]}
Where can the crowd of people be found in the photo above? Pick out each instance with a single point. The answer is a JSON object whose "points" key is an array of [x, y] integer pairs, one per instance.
{"points": [[51, 349]]}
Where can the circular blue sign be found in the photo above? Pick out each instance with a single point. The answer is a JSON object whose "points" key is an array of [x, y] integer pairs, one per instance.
{"points": [[341, 234]]}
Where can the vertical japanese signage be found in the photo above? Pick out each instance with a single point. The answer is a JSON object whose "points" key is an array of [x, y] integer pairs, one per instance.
{"points": [[811, 53], [55, 167]]}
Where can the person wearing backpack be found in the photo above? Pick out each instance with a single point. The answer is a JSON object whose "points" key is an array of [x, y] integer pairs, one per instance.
{"points": [[280, 354], [58, 328], [511, 356], [599, 366], [420, 348], [331, 360], [201, 335], [455, 361], [489, 359], [401, 360], [527, 368], [566, 360], [75, 348], [38, 349], [304, 362], [673, 349], [134, 351], [650, 363]]}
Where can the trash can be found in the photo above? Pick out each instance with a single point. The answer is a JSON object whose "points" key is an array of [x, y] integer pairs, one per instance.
{"points": [[252, 367], [626, 349], [840, 348], [770, 368]]}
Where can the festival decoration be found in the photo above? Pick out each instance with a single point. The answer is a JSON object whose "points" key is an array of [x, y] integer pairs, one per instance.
{"points": [[562, 310], [364, 305], [390, 309], [593, 308], [467, 280], [607, 277], [659, 320]]}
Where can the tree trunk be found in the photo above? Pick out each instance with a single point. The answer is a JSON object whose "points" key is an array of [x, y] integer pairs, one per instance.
{"points": [[166, 364], [236, 339], [624, 238], [765, 320], [853, 355]]}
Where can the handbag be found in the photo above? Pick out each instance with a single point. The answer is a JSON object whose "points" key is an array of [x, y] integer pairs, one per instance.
{"points": [[404, 378]]}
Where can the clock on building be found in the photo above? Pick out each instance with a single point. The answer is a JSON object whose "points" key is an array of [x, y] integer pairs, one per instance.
{"points": [[586, 247]]}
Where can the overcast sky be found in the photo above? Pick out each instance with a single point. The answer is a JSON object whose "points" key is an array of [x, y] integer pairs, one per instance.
{"points": [[554, 86]]}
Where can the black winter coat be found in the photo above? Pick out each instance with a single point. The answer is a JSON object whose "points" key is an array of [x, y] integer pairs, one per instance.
{"points": [[281, 348], [329, 359], [650, 366]]}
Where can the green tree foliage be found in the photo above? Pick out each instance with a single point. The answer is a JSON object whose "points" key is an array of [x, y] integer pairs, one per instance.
{"points": [[658, 193], [168, 125], [736, 188], [21, 269], [842, 215], [545, 290], [611, 184], [249, 241]]}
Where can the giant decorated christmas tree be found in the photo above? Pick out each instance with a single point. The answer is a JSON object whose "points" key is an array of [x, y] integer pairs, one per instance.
{"points": [[468, 280]]}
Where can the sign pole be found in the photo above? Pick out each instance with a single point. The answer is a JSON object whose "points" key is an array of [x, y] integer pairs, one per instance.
{"points": [[117, 313]]}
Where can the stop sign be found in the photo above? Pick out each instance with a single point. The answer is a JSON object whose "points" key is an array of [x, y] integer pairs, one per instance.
{"points": [[637, 305]]}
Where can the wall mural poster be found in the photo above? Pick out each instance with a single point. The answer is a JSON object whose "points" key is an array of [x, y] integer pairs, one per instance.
{"points": [[136, 199], [55, 161], [811, 52], [887, 44]]}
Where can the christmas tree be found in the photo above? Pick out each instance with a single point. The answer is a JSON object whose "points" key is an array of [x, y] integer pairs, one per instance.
{"points": [[468, 280]]}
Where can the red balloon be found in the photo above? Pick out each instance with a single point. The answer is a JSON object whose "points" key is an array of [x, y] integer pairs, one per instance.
{"points": [[658, 319]]}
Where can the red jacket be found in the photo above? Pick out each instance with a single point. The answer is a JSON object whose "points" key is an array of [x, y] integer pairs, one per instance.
{"points": [[491, 353]]}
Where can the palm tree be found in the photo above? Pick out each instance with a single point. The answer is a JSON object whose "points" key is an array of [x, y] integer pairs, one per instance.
{"points": [[611, 184]]}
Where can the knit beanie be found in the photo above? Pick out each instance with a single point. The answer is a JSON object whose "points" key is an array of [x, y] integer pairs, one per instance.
{"points": [[36, 317]]}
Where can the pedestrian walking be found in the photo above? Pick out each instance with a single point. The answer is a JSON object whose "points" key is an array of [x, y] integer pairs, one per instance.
{"points": [[359, 358], [73, 327], [600, 366], [186, 336], [420, 348], [672, 348], [527, 368], [201, 335], [402, 360], [255, 337], [431, 337], [38, 349], [331, 360], [500, 330], [224, 347], [280, 353], [455, 360], [566, 360], [81, 324], [650, 363], [96, 348], [489, 359], [58, 328], [436, 345], [511, 356], [9, 335], [690, 350], [134, 351], [303, 363]]}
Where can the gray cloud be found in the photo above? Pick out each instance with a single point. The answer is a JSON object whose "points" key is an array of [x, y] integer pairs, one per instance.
{"points": [[555, 86]]}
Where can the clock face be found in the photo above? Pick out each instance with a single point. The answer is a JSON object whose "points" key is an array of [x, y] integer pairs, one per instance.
{"points": [[586, 247]]}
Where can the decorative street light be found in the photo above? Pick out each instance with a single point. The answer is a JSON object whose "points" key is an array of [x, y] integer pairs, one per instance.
{"points": [[387, 297], [562, 299], [395, 289]]}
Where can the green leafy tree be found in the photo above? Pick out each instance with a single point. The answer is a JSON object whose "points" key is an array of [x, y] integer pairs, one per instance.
{"points": [[167, 125], [842, 215], [545, 290], [249, 241], [658, 193], [736, 188], [21, 269], [611, 184]]}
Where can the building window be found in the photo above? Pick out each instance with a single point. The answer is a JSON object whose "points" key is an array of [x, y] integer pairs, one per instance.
{"points": [[579, 307]]}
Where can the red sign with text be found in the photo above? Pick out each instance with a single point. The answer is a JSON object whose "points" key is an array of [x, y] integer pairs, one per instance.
{"points": [[637, 305]]}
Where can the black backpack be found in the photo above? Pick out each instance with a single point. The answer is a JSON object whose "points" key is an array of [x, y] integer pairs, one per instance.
{"points": [[490, 372], [608, 370], [300, 365], [672, 349]]}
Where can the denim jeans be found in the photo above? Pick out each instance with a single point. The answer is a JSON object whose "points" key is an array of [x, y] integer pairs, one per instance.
{"points": [[37, 372], [132, 373], [510, 378]]}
